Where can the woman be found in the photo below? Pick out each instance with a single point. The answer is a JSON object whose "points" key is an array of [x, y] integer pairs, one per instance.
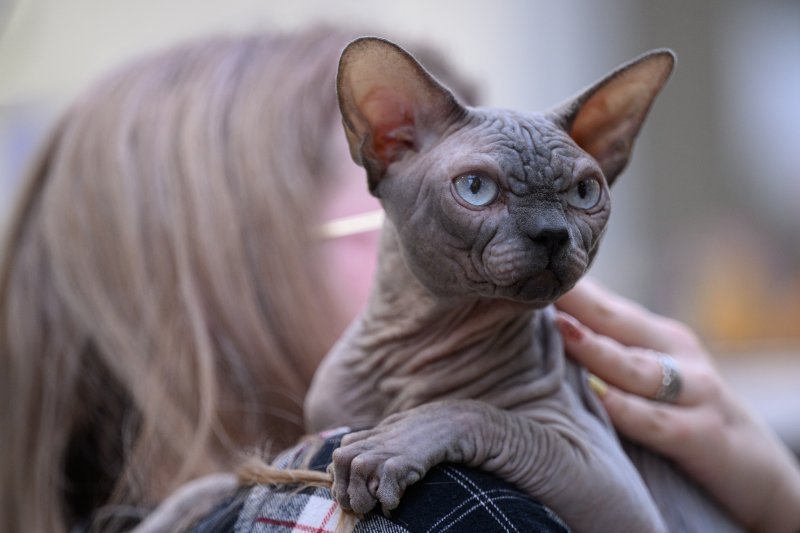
{"points": [[158, 310], [163, 299]]}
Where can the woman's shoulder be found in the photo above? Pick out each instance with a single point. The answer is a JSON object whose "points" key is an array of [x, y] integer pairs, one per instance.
{"points": [[449, 498]]}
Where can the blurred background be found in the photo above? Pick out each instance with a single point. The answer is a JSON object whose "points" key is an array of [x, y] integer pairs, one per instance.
{"points": [[706, 219]]}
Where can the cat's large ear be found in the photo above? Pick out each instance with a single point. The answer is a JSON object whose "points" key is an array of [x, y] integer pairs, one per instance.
{"points": [[390, 104], [605, 118]]}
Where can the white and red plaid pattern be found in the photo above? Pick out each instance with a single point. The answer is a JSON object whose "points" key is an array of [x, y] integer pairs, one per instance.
{"points": [[269, 510]]}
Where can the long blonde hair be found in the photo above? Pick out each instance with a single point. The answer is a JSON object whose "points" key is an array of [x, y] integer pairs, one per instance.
{"points": [[158, 307]]}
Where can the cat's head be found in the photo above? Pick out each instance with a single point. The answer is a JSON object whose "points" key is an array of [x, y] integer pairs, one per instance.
{"points": [[489, 202]]}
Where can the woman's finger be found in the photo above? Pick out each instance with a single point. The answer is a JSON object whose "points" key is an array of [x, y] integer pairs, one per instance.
{"points": [[633, 370], [664, 428], [609, 360], [625, 321]]}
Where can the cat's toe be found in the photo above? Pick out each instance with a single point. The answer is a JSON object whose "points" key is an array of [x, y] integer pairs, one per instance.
{"points": [[340, 468], [396, 476], [362, 485]]}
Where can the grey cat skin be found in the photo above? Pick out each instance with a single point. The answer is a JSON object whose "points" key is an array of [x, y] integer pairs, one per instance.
{"points": [[491, 215]]}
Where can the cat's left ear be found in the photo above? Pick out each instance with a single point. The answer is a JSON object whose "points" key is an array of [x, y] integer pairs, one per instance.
{"points": [[605, 118], [390, 104]]}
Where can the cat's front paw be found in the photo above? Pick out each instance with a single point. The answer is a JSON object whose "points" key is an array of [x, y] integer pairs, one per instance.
{"points": [[372, 467], [377, 465]]}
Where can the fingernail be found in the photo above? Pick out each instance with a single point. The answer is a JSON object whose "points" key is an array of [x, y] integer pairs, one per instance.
{"points": [[597, 385], [569, 327]]}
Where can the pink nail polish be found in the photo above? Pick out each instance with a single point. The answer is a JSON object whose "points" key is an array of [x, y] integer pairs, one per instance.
{"points": [[569, 328]]}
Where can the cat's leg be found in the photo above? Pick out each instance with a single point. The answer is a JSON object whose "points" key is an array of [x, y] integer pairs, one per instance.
{"points": [[588, 483]]}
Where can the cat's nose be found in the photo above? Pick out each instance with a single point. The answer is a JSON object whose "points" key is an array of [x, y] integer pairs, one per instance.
{"points": [[552, 238], [547, 227]]}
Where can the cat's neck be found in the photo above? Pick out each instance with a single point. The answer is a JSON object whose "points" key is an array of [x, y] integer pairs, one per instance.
{"points": [[434, 347]]}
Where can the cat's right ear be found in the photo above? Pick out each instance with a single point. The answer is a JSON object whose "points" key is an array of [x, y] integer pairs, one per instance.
{"points": [[605, 119], [390, 104]]}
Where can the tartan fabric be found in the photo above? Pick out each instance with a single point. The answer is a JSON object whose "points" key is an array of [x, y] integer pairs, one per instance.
{"points": [[450, 498], [313, 511]]}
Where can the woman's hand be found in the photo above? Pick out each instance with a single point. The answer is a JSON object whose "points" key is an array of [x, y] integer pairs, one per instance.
{"points": [[706, 429]]}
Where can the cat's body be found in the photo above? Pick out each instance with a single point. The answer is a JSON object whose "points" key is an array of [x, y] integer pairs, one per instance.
{"points": [[491, 216], [389, 363]]}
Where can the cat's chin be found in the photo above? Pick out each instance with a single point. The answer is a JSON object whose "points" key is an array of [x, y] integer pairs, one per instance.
{"points": [[537, 291]]}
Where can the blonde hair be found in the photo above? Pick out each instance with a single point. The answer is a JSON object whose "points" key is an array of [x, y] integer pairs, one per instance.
{"points": [[159, 309]]}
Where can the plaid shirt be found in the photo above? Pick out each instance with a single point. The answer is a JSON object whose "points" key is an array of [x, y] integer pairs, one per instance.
{"points": [[450, 498]]}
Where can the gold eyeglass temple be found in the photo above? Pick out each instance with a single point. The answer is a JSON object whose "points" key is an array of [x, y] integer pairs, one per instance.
{"points": [[351, 225]]}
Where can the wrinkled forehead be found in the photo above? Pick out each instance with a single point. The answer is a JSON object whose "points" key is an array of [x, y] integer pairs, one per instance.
{"points": [[529, 150]]}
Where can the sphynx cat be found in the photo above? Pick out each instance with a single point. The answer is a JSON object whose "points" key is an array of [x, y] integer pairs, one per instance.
{"points": [[492, 215]]}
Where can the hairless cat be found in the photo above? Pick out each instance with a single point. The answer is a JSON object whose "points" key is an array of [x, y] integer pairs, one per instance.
{"points": [[491, 216]]}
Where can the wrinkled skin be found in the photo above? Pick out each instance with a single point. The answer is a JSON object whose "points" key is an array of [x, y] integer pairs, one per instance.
{"points": [[501, 250], [456, 357]]}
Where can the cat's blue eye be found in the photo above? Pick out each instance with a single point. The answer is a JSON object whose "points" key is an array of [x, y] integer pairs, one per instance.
{"points": [[585, 194], [476, 189]]}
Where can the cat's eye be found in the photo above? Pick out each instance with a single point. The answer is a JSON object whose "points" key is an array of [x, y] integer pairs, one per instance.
{"points": [[476, 189], [585, 194]]}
